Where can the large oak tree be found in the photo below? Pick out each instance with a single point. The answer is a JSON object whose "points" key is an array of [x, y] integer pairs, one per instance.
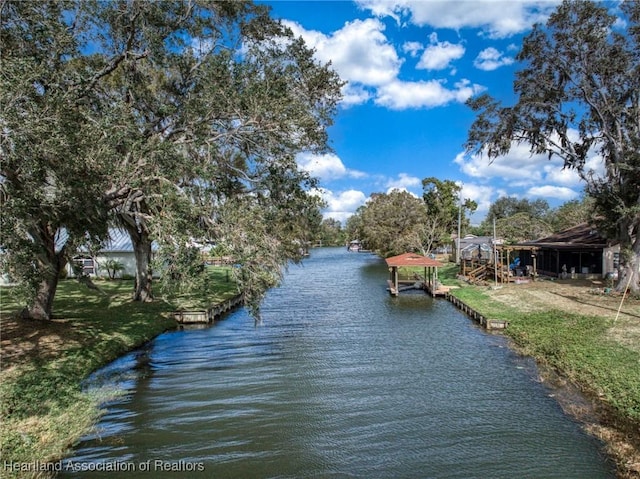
{"points": [[219, 99], [50, 179], [392, 223], [161, 115], [578, 94]]}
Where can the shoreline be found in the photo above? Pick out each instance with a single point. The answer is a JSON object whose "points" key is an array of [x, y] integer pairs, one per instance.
{"points": [[49, 437], [621, 442], [82, 409], [579, 399], [45, 408]]}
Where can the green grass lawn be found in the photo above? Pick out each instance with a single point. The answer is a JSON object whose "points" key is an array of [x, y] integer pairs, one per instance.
{"points": [[217, 286], [43, 408], [579, 348], [575, 345]]}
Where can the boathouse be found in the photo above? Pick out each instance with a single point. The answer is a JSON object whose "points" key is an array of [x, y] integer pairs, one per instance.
{"points": [[410, 278]]}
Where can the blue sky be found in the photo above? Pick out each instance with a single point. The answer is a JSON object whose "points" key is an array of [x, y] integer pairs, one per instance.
{"points": [[410, 66]]}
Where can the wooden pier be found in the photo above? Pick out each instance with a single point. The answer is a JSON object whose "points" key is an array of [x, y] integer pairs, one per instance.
{"points": [[436, 289], [429, 282], [209, 315]]}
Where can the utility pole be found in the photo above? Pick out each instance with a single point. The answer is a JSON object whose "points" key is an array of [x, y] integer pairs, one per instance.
{"points": [[459, 227], [495, 255]]}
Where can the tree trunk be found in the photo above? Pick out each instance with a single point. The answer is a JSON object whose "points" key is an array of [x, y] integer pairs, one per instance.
{"points": [[629, 276], [52, 263], [42, 306], [142, 250]]}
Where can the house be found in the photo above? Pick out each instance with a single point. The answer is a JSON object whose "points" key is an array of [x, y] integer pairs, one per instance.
{"points": [[118, 248], [476, 248], [577, 252]]}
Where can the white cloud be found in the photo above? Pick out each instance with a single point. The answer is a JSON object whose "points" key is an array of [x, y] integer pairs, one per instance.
{"points": [[355, 95], [554, 173], [550, 191], [439, 55], [522, 168], [595, 163], [399, 95], [498, 18], [342, 205], [403, 182], [326, 167], [491, 59], [363, 56], [359, 51], [533, 175], [481, 194], [518, 166], [412, 48]]}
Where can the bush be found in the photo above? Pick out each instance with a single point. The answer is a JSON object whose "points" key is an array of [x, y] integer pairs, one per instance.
{"points": [[113, 267]]}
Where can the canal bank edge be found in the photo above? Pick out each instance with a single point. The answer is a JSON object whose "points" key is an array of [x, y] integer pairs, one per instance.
{"points": [[579, 398], [611, 430], [473, 314], [32, 433]]}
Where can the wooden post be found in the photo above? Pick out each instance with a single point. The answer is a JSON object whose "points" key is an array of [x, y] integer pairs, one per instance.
{"points": [[395, 277], [534, 256], [435, 280]]}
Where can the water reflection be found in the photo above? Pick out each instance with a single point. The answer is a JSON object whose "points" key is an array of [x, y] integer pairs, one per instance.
{"points": [[340, 380]]}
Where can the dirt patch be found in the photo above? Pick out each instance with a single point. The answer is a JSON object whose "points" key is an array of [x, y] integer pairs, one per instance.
{"points": [[580, 297], [586, 298], [23, 340]]}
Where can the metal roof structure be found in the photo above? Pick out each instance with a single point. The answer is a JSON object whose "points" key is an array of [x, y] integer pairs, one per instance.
{"points": [[412, 259], [584, 236], [119, 241]]}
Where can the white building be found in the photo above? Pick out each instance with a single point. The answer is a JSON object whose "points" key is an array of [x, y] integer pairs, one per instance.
{"points": [[118, 248]]}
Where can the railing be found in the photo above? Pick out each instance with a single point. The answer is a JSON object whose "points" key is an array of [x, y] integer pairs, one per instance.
{"points": [[484, 271]]}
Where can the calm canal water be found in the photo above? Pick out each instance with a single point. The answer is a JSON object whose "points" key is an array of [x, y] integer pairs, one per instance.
{"points": [[339, 381]]}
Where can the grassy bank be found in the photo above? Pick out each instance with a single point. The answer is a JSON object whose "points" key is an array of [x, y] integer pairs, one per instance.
{"points": [[579, 348], [42, 406], [575, 345]]}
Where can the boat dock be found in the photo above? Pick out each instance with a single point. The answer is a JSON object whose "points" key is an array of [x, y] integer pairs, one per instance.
{"points": [[438, 290], [410, 279], [428, 281], [213, 313], [418, 283]]}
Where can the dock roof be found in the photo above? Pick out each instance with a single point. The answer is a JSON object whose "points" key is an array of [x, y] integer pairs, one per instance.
{"points": [[412, 259]]}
